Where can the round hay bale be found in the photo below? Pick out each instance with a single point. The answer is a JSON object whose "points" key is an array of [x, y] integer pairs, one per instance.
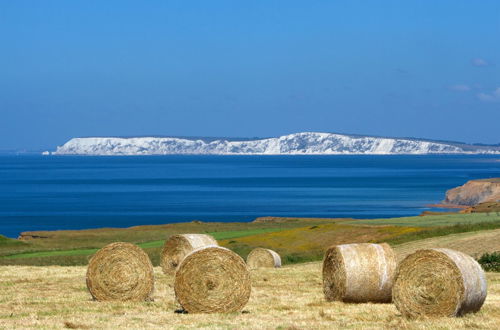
{"points": [[359, 273], [120, 272], [260, 257], [439, 282], [178, 246], [212, 280]]}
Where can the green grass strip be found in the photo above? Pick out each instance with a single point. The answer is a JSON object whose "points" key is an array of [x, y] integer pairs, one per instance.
{"points": [[9, 242], [220, 235], [77, 252], [443, 231], [432, 220]]}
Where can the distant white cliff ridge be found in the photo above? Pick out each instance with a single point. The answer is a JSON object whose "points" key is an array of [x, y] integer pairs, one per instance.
{"points": [[308, 143]]}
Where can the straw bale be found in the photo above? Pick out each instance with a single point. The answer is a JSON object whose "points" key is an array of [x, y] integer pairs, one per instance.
{"points": [[359, 273], [439, 282], [212, 280], [120, 272], [260, 257], [178, 246]]}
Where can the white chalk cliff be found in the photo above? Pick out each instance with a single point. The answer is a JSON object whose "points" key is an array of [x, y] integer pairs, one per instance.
{"points": [[308, 143]]}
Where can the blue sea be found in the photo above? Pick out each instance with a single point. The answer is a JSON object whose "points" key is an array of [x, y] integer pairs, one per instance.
{"points": [[50, 193]]}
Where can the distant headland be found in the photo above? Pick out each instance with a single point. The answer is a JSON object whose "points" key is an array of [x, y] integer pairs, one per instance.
{"points": [[306, 143]]}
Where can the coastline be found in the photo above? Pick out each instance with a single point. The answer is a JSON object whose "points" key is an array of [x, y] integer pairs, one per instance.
{"points": [[448, 206]]}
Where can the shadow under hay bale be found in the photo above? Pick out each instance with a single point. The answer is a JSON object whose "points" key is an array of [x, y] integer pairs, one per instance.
{"points": [[260, 257], [178, 246], [439, 282], [359, 273], [120, 272], [212, 280]]}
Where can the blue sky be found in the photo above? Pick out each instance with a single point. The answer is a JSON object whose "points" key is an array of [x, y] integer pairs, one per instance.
{"points": [[248, 68]]}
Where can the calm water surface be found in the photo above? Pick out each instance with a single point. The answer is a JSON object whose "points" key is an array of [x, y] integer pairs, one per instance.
{"points": [[48, 193]]}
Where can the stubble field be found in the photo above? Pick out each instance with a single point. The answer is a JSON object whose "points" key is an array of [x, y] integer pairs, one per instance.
{"points": [[286, 298]]}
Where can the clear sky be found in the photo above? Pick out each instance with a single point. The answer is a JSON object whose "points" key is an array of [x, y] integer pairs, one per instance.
{"points": [[426, 69]]}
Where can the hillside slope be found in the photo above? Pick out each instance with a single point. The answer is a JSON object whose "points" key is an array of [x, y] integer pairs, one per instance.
{"points": [[296, 239], [473, 243]]}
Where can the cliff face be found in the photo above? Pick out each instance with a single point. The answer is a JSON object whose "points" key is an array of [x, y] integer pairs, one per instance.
{"points": [[307, 143], [474, 192]]}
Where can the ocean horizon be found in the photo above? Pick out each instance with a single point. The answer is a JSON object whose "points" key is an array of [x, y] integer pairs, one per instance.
{"points": [[80, 192]]}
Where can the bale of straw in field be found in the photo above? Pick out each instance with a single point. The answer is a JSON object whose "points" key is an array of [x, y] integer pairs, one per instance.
{"points": [[178, 246], [260, 257], [212, 280], [359, 272], [439, 282], [120, 272]]}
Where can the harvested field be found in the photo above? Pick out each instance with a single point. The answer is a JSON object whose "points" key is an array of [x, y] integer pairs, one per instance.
{"points": [[472, 243], [433, 221], [287, 298]]}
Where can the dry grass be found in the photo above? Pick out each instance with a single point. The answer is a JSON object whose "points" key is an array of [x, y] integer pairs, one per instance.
{"points": [[483, 207], [286, 298], [472, 243]]}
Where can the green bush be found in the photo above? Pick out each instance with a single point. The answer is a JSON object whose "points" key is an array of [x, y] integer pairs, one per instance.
{"points": [[295, 258], [490, 261]]}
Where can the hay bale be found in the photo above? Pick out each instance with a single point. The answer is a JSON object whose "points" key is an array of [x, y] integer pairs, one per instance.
{"points": [[178, 246], [260, 257], [120, 272], [359, 272], [439, 282], [212, 280]]}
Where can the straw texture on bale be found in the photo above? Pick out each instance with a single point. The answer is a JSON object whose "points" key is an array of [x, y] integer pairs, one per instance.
{"points": [[120, 272], [178, 246], [212, 280], [260, 257], [359, 273], [439, 282]]}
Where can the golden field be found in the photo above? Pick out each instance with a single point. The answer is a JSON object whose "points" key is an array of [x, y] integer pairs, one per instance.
{"points": [[286, 298], [472, 243]]}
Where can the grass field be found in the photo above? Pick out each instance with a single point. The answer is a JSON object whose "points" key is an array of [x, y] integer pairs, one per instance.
{"points": [[296, 239], [434, 220], [471, 243], [286, 298], [147, 245]]}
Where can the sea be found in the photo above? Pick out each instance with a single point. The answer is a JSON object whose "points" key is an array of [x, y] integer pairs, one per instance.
{"points": [[79, 192]]}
